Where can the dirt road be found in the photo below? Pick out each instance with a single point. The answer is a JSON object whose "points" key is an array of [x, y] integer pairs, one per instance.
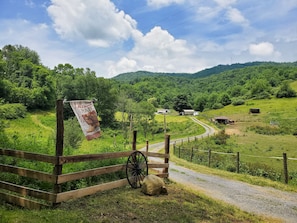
{"points": [[254, 199]]}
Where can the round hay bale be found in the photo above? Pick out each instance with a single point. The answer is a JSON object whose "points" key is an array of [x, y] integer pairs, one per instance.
{"points": [[153, 185]]}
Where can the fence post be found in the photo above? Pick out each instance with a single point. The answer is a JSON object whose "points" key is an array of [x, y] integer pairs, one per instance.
{"points": [[59, 143], [209, 157], [174, 148], [237, 162], [167, 145], [192, 154], [147, 146], [285, 167], [134, 140], [179, 152]]}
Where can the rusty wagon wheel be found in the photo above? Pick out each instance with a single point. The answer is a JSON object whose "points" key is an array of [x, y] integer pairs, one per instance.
{"points": [[136, 169]]}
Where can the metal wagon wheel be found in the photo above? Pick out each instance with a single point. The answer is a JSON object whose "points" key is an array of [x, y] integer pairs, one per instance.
{"points": [[136, 169]]}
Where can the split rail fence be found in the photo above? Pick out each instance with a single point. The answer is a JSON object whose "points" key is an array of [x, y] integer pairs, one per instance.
{"points": [[35, 198]]}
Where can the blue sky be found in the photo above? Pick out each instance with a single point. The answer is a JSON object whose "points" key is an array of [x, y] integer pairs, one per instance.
{"points": [[117, 36]]}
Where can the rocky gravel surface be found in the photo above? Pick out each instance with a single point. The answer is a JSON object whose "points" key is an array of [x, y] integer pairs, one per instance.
{"points": [[259, 200]]}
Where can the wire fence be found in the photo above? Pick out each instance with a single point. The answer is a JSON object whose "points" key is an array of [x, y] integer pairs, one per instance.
{"points": [[275, 169]]}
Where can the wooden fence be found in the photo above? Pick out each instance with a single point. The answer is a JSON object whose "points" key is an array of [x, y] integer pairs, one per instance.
{"points": [[35, 198]]}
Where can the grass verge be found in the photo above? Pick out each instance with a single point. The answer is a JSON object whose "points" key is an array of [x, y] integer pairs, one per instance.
{"points": [[130, 205]]}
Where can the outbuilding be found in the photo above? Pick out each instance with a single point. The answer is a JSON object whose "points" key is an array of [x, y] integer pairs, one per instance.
{"points": [[222, 120], [254, 111], [189, 112]]}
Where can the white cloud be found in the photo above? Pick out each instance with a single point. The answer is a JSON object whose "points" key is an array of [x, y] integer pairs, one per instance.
{"points": [[36, 37], [162, 3], [261, 49], [225, 3], [98, 22], [234, 15], [158, 51]]}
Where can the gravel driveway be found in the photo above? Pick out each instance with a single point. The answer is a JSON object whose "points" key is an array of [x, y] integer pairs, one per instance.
{"points": [[255, 199], [264, 201]]}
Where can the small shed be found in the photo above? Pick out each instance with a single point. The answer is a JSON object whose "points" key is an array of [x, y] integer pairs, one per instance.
{"points": [[254, 111], [222, 120]]}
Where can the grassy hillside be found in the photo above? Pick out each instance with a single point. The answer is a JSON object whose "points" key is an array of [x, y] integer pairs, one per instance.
{"points": [[260, 138]]}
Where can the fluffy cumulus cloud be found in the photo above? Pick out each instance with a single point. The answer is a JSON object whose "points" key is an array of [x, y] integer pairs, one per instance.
{"points": [[158, 51], [261, 49], [98, 22]]}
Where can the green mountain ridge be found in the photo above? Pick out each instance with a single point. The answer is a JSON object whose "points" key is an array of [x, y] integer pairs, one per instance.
{"points": [[132, 76]]}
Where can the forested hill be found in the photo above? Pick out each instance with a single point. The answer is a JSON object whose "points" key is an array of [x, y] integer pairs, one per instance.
{"points": [[132, 76], [221, 68], [135, 76], [24, 80]]}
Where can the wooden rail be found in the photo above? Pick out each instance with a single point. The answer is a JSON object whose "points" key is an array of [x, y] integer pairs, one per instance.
{"points": [[35, 199], [22, 196]]}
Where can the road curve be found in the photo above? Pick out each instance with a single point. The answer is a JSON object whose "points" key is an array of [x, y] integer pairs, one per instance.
{"points": [[254, 199]]}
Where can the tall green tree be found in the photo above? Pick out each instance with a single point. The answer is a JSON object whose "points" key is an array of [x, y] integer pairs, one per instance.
{"points": [[181, 102], [145, 113], [285, 91], [106, 101]]}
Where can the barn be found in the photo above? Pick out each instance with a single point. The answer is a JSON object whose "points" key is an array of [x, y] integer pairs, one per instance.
{"points": [[222, 120]]}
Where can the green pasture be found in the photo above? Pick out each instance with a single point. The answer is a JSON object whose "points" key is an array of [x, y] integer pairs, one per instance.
{"points": [[36, 133], [278, 118]]}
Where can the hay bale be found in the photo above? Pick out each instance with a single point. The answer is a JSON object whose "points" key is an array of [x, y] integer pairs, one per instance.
{"points": [[153, 185]]}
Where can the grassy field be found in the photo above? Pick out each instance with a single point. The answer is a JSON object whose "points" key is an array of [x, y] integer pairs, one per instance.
{"points": [[38, 128], [276, 115], [130, 205], [249, 142]]}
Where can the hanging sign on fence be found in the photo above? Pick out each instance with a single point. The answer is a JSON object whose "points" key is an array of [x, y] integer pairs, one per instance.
{"points": [[86, 115]]}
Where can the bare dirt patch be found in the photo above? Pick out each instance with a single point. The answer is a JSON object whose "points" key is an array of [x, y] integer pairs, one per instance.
{"points": [[232, 131]]}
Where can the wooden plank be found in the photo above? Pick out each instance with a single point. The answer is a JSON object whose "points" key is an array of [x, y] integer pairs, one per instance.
{"points": [[152, 154], [21, 201], [26, 191], [158, 165], [28, 173], [28, 155], [89, 157], [65, 196], [88, 173]]}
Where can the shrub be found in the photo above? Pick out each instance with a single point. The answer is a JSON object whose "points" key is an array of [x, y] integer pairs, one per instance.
{"points": [[238, 101], [217, 106], [73, 136], [12, 111]]}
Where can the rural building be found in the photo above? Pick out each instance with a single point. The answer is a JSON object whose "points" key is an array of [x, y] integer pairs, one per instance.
{"points": [[163, 111], [222, 120], [254, 111], [189, 112]]}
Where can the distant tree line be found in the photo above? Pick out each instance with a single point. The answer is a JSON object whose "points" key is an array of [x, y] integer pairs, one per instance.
{"points": [[234, 86], [24, 80]]}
